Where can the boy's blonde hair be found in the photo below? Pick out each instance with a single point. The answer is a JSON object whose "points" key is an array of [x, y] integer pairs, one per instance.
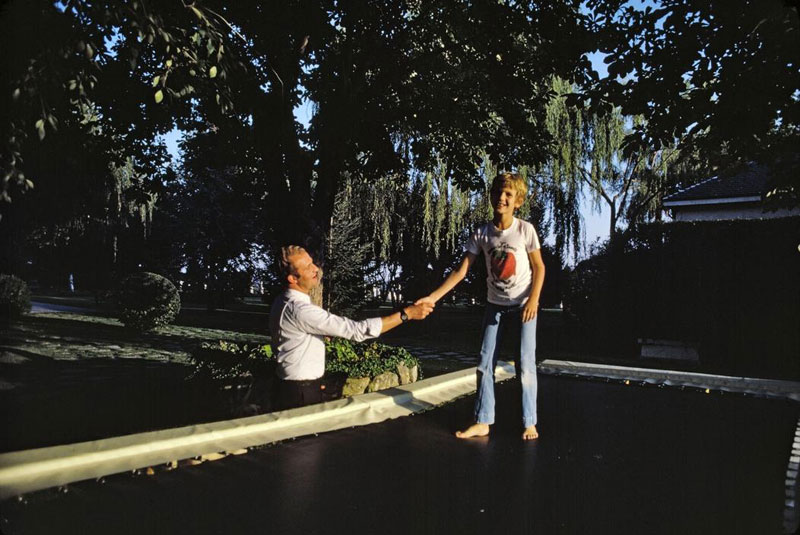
{"points": [[284, 264], [514, 180]]}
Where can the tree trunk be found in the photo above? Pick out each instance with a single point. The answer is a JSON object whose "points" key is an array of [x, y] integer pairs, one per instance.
{"points": [[612, 228]]}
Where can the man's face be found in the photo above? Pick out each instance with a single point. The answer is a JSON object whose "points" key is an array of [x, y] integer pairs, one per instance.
{"points": [[307, 274], [505, 198]]}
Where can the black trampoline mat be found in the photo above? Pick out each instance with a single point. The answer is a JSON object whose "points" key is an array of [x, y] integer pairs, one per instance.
{"points": [[611, 459]]}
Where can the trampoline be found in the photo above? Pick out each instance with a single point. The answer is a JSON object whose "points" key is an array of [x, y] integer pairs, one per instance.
{"points": [[612, 458]]}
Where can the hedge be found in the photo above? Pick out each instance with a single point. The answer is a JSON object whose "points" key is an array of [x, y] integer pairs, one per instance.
{"points": [[730, 288]]}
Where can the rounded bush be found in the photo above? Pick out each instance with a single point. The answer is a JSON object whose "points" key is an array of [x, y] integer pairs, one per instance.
{"points": [[15, 298], [146, 301]]}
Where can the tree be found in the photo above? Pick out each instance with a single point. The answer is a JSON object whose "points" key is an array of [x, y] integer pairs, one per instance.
{"points": [[346, 266], [632, 182], [397, 88], [118, 58], [719, 78], [217, 218]]}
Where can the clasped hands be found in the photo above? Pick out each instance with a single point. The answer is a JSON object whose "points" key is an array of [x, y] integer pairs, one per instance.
{"points": [[420, 310]]}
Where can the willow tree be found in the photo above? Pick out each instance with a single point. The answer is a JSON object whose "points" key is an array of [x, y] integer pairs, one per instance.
{"points": [[560, 178], [629, 180], [592, 152]]}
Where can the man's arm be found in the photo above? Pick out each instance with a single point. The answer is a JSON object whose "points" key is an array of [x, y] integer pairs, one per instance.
{"points": [[414, 312], [455, 276], [537, 265], [316, 320]]}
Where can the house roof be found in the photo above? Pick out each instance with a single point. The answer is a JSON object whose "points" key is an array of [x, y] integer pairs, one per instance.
{"points": [[746, 185]]}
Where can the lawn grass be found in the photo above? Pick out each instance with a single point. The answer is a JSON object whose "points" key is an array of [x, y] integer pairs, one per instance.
{"points": [[69, 336], [67, 377]]}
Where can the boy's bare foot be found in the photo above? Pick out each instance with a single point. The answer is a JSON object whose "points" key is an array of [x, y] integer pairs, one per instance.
{"points": [[475, 430], [530, 433]]}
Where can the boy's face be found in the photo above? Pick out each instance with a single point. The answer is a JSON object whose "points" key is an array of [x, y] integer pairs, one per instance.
{"points": [[505, 198]]}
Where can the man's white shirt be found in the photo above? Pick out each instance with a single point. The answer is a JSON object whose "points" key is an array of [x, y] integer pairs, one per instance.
{"points": [[298, 328]]}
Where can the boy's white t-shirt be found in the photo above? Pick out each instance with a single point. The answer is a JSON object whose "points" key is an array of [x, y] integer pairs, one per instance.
{"points": [[509, 275]]}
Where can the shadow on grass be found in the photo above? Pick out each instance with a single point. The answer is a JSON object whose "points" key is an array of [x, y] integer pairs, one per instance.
{"points": [[47, 402], [103, 332], [76, 378]]}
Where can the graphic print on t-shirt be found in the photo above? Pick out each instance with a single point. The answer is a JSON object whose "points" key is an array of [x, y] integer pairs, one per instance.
{"points": [[503, 265]]}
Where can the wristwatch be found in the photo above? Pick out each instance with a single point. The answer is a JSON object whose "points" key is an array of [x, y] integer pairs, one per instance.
{"points": [[403, 316]]}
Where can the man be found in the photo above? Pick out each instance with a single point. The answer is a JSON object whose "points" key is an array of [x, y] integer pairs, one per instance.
{"points": [[298, 328]]}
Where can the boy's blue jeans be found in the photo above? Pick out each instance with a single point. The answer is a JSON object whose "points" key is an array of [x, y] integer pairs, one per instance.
{"points": [[526, 363]]}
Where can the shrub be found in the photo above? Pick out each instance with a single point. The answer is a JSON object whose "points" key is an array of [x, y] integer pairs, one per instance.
{"points": [[225, 361], [146, 301], [241, 376], [15, 298], [365, 359], [244, 375]]}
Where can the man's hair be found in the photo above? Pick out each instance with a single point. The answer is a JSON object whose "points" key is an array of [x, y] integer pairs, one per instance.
{"points": [[284, 264], [514, 180]]}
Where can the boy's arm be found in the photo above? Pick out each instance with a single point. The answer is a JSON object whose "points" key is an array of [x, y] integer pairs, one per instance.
{"points": [[455, 276], [537, 265]]}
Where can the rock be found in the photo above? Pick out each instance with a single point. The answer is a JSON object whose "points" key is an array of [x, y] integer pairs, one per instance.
{"points": [[404, 373], [354, 386], [414, 373], [383, 381]]}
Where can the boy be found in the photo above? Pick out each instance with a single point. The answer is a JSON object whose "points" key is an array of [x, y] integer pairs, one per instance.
{"points": [[514, 282]]}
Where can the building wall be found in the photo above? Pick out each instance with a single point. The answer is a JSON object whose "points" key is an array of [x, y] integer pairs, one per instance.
{"points": [[716, 212]]}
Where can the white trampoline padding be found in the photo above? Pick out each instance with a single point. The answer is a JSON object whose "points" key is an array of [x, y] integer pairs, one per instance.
{"points": [[773, 388], [31, 470]]}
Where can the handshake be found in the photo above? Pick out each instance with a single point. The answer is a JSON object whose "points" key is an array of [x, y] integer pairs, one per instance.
{"points": [[420, 309]]}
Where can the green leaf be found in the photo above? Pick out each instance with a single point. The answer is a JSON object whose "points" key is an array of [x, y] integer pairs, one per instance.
{"points": [[159, 96], [156, 80], [169, 63], [212, 72], [40, 128]]}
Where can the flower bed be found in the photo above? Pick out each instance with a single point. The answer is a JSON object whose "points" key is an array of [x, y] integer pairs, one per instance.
{"points": [[245, 373]]}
